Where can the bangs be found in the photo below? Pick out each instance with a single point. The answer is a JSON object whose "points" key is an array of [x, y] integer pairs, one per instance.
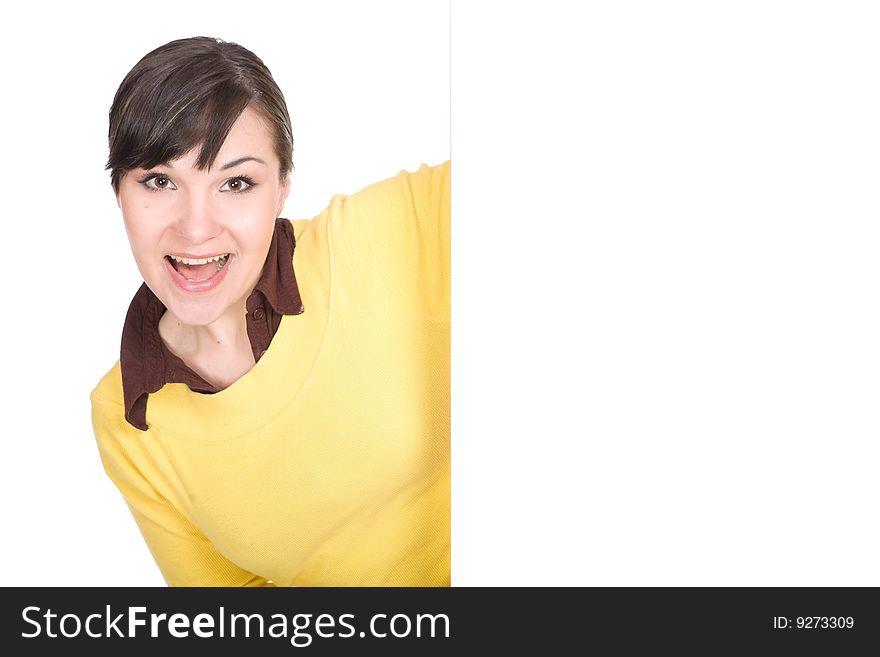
{"points": [[172, 123]]}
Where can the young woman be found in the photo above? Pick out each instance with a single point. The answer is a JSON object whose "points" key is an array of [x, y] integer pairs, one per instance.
{"points": [[279, 413]]}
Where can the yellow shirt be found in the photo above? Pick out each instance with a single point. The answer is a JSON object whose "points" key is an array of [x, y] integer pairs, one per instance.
{"points": [[327, 464]]}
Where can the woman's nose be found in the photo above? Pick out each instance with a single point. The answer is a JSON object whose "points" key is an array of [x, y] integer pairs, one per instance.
{"points": [[197, 219]]}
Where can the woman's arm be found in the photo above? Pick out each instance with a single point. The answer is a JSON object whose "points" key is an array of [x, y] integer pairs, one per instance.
{"points": [[184, 555]]}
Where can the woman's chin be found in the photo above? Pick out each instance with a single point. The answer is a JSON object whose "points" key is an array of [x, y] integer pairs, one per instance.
{"points": [[197, 312], [197, 319]]}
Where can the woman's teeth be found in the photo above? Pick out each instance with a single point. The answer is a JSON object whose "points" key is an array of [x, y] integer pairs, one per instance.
{"points": [[202, 261]]}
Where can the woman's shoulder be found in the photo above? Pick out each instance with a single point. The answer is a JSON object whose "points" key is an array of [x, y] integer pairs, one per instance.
{"points": [[108, 414], [109, 388]]}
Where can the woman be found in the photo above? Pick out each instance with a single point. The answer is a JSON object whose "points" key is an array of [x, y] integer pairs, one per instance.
{"points": [[279, 414]]}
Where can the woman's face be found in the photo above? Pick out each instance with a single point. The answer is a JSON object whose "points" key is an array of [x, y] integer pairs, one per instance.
{"points": [[200, 238]]}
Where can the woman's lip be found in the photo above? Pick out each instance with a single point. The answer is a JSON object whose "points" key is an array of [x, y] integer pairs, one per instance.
{"points": [[197, 287], [196, 256]]}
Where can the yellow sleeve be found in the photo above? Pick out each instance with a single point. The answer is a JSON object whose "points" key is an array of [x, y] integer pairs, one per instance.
{"points": [[390, 245], [184, 555]]}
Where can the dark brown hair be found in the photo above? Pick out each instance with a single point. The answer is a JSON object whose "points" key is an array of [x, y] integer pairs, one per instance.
{"points": [[187, 93]]}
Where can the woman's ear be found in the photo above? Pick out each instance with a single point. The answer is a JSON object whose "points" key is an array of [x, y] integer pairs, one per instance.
{"points": [[283, 192]]}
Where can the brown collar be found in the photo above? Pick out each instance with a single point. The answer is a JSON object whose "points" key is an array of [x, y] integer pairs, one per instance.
{"points": [[147, 364]]}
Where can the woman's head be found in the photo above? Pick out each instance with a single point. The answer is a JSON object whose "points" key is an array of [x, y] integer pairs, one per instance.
{"points": [[200, 152], [189, 93]]}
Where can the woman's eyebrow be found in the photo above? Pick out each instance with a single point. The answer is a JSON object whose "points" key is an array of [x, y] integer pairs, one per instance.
{"points": [[241, 160]]}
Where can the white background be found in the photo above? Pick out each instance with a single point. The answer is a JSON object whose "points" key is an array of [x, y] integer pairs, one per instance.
{"points": [[665, 231], [667, 367]]}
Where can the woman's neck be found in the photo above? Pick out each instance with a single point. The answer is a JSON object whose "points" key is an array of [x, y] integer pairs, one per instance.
{"points": [[219, 352]]}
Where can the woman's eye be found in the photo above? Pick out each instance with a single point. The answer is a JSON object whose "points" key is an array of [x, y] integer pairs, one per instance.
{"points": [[158, 182], [237, 185]]}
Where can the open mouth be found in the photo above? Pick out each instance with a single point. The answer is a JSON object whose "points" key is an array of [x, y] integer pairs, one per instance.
{"points": [[198, 270]]}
